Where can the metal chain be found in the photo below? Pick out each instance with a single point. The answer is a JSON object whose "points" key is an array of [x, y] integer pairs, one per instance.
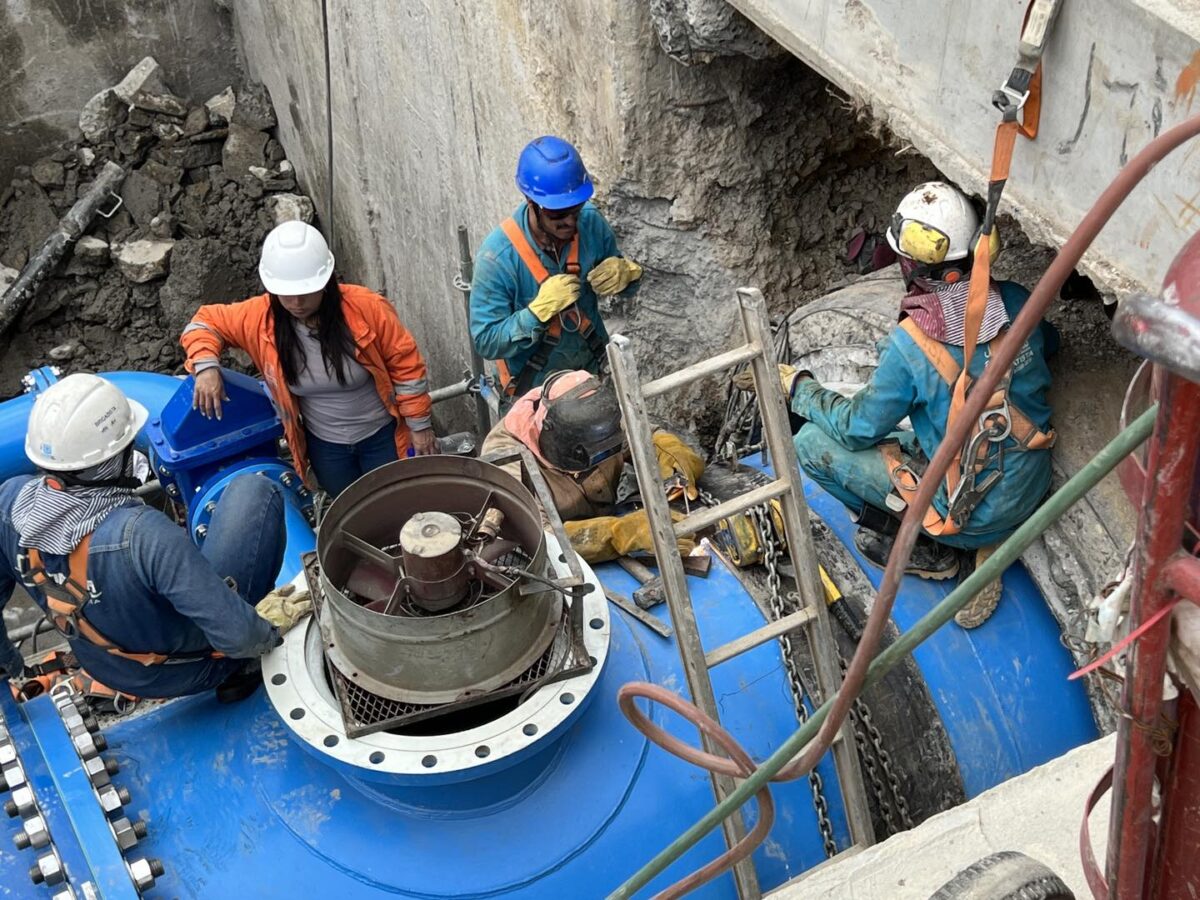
{"points": [[876, 759], [771, 554]]}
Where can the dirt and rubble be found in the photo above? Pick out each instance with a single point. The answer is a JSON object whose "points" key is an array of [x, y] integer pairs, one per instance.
{"points": [[206, 180]]}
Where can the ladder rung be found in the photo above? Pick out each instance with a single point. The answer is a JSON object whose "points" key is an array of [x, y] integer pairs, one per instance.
{"points": [[713, 514], [758, 637], [711, 366]]}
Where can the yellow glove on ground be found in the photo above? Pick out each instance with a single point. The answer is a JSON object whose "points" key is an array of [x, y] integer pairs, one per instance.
{"points": [[744, 381], [284, 607], [607, 537], [674, 456], [556, 294], [613, 275]]}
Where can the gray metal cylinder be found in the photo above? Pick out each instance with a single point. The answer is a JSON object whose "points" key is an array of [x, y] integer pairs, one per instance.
{"points": [[437, 658]]}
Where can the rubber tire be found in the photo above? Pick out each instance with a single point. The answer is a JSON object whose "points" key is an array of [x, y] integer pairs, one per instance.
{"points": [[1007, 875]]}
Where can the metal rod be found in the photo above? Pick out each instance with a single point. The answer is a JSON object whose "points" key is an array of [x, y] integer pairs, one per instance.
{"points": [[777, 436], [711, 366], [711, 515], [624, 604], [466, 272], [451, 391], [670, 567], [1170, 465], [1058, 503], [70, 228], [758, 637]]}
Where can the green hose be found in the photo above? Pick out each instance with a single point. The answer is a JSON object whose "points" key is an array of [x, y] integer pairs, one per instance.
{"points": [[1062, 500]]}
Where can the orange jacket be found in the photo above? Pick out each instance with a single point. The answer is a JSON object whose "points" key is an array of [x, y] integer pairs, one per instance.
{"points": [[382, 345]]}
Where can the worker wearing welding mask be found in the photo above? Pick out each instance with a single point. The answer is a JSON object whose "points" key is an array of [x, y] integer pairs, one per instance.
{"points": [[571, 425], [534, 306], [854, 447]]}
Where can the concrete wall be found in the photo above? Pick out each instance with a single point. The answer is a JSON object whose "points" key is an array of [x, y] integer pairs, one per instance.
{"points": [[743, 171], [58, 53], [432, 103], [1118, 72]]}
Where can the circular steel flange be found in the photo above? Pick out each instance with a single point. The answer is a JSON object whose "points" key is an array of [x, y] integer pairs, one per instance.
{"points": [[300, 692]]}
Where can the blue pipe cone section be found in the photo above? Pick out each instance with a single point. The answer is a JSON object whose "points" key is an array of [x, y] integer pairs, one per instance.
{"points": [[236, 807], [1001, 689]]}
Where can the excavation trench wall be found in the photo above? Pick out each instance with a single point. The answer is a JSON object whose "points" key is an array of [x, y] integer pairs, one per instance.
{"points": [[58, 53]]}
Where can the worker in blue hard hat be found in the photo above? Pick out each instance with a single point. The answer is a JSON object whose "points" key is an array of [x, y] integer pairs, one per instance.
{"points": [[534, 306], [145, 611]]}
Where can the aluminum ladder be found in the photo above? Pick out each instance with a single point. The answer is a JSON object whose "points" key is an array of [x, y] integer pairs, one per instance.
{"points": [[812, 617]]}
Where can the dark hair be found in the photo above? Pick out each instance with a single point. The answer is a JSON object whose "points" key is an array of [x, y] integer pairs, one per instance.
{"points": [[332, 331]]}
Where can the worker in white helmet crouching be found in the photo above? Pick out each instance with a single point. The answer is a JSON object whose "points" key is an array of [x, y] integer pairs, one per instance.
{"points": [[144, 610]]}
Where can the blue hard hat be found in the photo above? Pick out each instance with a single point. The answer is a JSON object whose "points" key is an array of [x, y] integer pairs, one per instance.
{"points": [[551, 173]]}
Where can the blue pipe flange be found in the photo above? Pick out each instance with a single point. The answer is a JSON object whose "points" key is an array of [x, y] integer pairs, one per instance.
{"points": [[294, 674]]}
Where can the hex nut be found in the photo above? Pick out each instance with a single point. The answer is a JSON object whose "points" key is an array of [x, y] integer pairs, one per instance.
{"points": [[125, 833], [34, 834], [112, 799], [48, 870], [144, 871], [22, 802], [12, 777], [67, 893], [98, 770], [8, 753]]}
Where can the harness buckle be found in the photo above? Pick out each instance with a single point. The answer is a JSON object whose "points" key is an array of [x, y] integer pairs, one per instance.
{"points": [[1010, 97], [988, 429]]}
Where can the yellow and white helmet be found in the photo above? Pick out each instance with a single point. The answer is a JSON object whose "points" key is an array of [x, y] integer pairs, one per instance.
{"points": [[936, 223]]}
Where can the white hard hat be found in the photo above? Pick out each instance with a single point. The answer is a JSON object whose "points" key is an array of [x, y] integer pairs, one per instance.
{"points": [[934, 223], [295, 260], [80, 422]]}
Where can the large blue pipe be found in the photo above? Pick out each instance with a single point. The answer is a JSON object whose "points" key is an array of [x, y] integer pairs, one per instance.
{"points": [[235, 806]]}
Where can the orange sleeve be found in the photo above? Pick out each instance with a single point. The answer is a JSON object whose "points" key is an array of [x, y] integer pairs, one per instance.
{"points": [[405, 365], [216, 326]]}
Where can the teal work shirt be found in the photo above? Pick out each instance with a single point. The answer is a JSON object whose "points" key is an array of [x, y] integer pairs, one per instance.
{"points": [[906, 384], [502, 325]]}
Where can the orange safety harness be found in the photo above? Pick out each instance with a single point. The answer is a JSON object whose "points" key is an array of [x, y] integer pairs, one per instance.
{"points": [[577, 318], [67, 599], [999, 422], [1020, 97]]}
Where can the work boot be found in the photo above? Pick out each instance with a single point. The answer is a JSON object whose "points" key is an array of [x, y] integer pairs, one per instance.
{"points": [[980, 607], [929, 559]]}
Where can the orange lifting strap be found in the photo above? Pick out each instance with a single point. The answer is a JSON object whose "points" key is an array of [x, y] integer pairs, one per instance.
{"points": [[1029, 108], [582, 324], [66, 602]]}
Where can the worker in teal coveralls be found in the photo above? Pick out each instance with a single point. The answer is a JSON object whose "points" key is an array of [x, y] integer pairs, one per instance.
{"points": [[840, 445], [534, 295]]}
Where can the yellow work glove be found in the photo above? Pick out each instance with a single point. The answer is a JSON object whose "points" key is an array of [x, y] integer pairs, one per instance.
{"points": [[744, 381], [607, 537], [677, 458], [556, 294], [613, 275], [284, 607]]}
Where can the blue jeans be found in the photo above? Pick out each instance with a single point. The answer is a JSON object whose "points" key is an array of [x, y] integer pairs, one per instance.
{"points": [[246, 536], [337, 466], [860, 476]]}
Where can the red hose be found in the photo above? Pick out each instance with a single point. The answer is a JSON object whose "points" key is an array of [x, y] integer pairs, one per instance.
{"points": [[855, 676], [739, 765]]}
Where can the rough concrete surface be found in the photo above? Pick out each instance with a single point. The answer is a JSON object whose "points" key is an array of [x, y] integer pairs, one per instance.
{"points": [[1037, 814], [59, 53], [1118, 72]]}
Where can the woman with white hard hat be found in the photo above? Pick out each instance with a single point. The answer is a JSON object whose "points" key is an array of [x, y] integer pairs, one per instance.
{"points": [[346, 376]]}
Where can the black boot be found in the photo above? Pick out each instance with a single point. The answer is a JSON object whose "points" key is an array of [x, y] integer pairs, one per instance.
{"points": [[929, 559]]}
